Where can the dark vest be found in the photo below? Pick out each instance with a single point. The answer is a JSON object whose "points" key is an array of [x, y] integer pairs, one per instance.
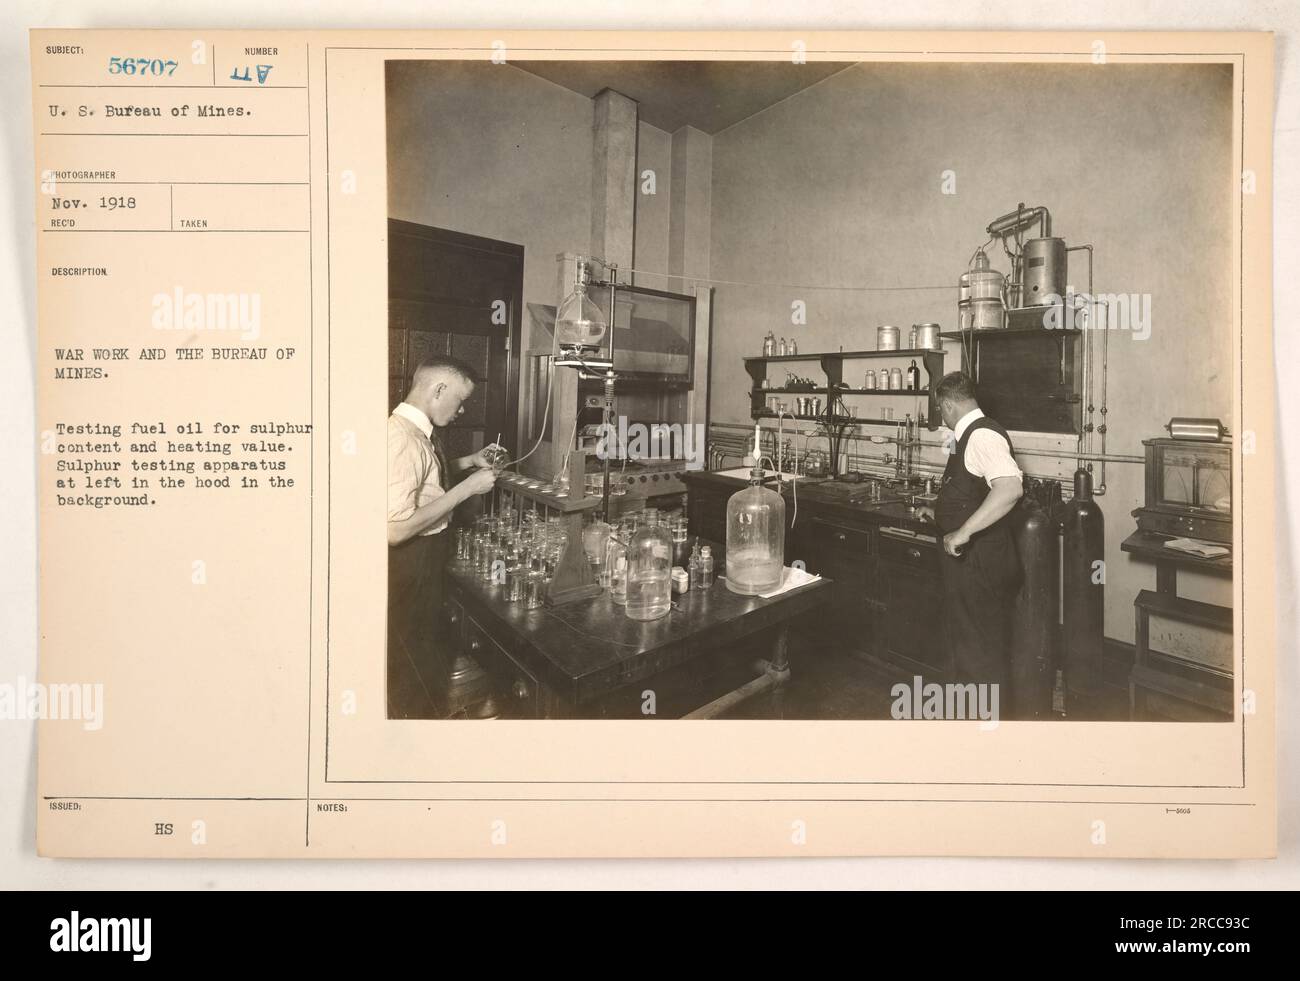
{"points": [[962, 492], [991, 554]]}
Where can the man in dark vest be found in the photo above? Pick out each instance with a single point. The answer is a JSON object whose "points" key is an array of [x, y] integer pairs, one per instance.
{"points": [[981, 571], [422, 495]]}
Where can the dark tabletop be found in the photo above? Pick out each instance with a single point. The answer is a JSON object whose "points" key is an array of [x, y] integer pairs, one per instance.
{"points": [[592, 636]]}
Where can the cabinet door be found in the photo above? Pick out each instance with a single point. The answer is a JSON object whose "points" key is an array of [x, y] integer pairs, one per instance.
{"points": [[445, 295], [910, 631], [848, 618], [707, 514]]}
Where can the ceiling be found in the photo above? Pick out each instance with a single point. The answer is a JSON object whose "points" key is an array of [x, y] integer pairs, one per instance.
{"points": [[709, 95]]}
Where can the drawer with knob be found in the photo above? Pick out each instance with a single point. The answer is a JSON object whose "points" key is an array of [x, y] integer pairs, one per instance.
{"points": [[845, 542], [918, 552], [513, 685]]}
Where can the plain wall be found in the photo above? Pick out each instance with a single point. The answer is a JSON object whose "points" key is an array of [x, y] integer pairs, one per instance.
{"points": [[654, 153], [491, 150], [840, 185]]}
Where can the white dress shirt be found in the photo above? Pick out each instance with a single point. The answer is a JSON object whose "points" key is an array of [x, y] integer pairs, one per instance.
{"points": [[988, 455], [413, 477]]}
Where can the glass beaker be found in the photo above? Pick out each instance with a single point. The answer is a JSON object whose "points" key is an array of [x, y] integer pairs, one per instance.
{"points": [[595, 537], [535, 587], [616, 566]]}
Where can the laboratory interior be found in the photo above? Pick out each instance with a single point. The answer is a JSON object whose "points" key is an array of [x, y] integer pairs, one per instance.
{"points": [[708, 306]]}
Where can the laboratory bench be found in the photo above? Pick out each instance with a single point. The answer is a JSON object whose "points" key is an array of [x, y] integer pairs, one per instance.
{"points": [[883, 562], [588, 660]]}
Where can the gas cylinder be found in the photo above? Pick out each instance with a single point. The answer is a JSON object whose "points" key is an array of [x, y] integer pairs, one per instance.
{"points": [[1033, 615], [1083, 572]]}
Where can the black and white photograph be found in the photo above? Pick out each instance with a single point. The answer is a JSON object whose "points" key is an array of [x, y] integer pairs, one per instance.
{"points": [[773, 390]]}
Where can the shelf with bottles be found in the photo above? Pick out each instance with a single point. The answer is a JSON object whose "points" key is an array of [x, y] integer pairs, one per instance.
{"points": [[788, 357], [923, 393], [801, 416], [834, 419], [907, 352], [919, 392]]}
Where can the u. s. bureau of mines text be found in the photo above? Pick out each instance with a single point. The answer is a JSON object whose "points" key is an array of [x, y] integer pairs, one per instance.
{"points": [[173, 212]]}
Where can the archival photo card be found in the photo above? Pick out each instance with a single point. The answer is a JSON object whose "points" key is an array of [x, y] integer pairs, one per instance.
{"points": [[624, 444]]}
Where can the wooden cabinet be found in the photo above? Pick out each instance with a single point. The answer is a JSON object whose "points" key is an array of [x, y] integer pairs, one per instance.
{"points": [[887, 589], [706, 512], [911, 617], [843, 554]]}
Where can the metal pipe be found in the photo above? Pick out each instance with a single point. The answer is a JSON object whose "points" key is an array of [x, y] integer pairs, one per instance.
{"points": [[1085, 437], [1100, 489], [733, 698], [612, 272], [1020, 219], [938, 444], [773, 676]]}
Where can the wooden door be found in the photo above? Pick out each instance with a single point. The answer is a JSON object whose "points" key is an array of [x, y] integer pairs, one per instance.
{"points": [[460, 296]]}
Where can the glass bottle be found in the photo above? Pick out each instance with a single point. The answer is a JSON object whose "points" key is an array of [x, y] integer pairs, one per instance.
{"points": [[794, 346], [913, 377], [755, 539], [693, 566], [769, 345], [706, 567], [869, 381], [896, 379], [780, 347], [649, 570]]}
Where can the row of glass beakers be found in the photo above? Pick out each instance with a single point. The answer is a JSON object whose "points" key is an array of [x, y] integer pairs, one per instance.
{"points": [[521, 557]]}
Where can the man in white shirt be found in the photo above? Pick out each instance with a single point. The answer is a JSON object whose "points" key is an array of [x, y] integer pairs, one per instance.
{"points": [[981, 570], [421, 499]]}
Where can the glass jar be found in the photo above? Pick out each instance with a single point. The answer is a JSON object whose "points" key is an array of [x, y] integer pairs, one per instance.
{"points": [[755, 540], [516, 575], [595, 537], [491, 562], [649, 570], [616, 566], [535, 586], [706, 567]]}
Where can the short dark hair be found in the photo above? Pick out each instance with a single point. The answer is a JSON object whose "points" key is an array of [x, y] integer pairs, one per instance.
{"points": [[440, 362], [955, 387]]}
